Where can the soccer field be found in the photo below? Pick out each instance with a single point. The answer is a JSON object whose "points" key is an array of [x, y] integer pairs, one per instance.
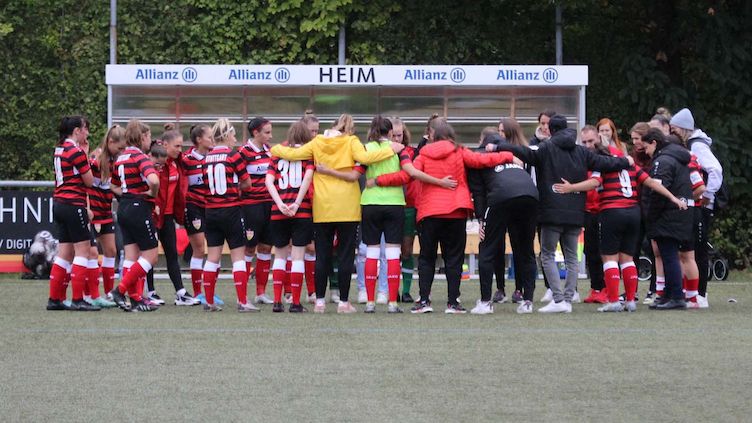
{"points": [[181, 363]]}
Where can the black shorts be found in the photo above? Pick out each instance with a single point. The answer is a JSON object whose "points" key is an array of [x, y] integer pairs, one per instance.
{"points": [[300, 231], [93, 236], [619, 230], [225, 224], [100, 229], [195, 219], [71, 222], [257, 218], [137, 224], [389, 220], [689, 244]]}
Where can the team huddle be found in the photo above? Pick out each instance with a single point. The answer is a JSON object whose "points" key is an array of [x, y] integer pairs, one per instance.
{"points": [[310, 201]]}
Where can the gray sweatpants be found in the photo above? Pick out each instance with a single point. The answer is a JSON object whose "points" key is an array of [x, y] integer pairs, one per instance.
{"points": [[567, 235]]}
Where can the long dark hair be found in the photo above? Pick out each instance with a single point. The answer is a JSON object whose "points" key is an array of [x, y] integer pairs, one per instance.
{"points": [[380, 127], [68, 124]]}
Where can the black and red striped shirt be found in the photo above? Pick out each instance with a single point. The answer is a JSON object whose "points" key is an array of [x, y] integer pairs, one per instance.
{"points": [[193, 168], [257, 161], [130, 171], [695, 177], [288, 177], [224, 169], [618, 190], [70, 163], [100, 196]]}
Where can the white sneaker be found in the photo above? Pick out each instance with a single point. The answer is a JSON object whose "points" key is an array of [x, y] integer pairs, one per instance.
{"points": [[554, 307], [482, 307], [312, 298], [630, 306], [247, 308], [611, 307], [703, 301], [263, 299], [381, 298], [548, 296], [334, 296], [155, 298], [186, 300], [525, 307], [576, 297], [362, 296]]}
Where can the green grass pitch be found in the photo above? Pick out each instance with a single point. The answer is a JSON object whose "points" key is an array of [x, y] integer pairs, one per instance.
{"points": [[181, 364]]}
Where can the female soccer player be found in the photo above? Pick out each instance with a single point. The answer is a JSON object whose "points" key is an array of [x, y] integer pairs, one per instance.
{"points": [[136, 183], [72, 177], [225, 175]]}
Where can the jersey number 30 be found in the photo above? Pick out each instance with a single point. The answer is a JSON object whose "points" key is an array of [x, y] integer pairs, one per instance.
{"points": [[290, 174]]}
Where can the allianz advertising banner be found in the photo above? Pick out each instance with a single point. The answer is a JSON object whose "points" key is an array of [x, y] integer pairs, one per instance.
{"points": [[22, 215]]}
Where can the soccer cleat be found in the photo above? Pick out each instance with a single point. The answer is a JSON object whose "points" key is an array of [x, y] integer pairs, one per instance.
{"points": [[102, 302], [482, 307], [630, 306], [212, 307], [548, 296], [393, 309], [576, 297], [345, 307], [150, 302], [381, 298], [119, 299], [703, 301], [55, 305], [320, 307], [155, 299], [362, 296], [517, 297], [526, 307], [186, 300], [554, 307], [421, 307], [591, 298], [648, 298], [298, 308], [278, 308], [611, 308], [672, 305], [455, 309], [500, 297], [658, 301], [248, 308], [334, 296], [263, 299], [370, 308], [407, 298], [141, 306]]}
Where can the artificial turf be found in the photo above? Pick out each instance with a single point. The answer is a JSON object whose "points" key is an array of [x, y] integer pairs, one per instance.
{"points": [[181, 363]]}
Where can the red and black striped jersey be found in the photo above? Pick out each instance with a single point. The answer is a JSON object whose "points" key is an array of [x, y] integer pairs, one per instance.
{"points": [[618, 190], [193, 168], [70, 163], [288, 177], [695, 177], [224, 169], [130, 171], [100, 195], [257, 161]]}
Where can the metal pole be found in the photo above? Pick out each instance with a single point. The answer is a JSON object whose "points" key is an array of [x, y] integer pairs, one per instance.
{"points": [[559, 42], [341, 60], [113, 55]]}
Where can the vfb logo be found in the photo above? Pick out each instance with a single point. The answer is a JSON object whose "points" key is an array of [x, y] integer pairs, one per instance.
{"points": [[282, 75], [457, 75], [550, 75], [189, 74]]}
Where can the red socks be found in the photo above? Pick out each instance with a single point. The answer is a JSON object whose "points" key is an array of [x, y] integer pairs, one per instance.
{"points": [[135, 276], [263, 263], [92, 281], [278, 278], [310, 273], [240, 277], [58, 275], [108, 273], [611, 277], [296, 280], [286, 281], [79, 273], [692, 286], [371, 274], [197, 273], [629, 273], [210, 280], [393, 272]]}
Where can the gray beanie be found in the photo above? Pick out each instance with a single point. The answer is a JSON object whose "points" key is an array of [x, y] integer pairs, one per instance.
{"points": [[683, 119]]}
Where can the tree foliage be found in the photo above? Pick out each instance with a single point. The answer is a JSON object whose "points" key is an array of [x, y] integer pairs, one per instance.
{"points": [[642, 54]]}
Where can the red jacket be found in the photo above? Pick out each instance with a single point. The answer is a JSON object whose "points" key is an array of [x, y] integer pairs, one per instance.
{"points": [[178, 205], [440, 159]]}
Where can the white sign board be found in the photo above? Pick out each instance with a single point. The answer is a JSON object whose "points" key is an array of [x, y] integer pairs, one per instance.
{"points": [[391, 75]]}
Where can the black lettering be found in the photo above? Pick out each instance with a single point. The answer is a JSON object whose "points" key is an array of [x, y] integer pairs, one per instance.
{"points": [[323, 74]]}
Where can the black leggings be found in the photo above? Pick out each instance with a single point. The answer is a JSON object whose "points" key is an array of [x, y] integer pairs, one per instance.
{"points": [[323, 238], [451, 235], [701, 248], [169, 240], [592, 252]]}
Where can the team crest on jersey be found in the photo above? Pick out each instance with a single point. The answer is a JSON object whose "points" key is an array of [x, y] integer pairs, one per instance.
{"points": [[249, 234], [196, 224], [98, 227]]}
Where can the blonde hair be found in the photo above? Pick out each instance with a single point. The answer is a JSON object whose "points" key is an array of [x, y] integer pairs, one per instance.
{"points": [[406, 135], [222, 130], [345, 124], [133, 132], [298, 133], [116, 133], [513, 132]]}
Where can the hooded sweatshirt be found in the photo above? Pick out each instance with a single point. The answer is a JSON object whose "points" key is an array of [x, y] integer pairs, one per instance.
{"points": [[334, 200], [699, 144], [559, 158], [664, 219]]}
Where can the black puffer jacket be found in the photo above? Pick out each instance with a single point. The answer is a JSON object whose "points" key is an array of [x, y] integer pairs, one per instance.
{"points": [[492, 186], [560, 157], [664, 219]]}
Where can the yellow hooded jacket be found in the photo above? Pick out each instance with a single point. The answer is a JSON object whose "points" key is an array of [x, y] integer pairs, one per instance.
{"points": [[334, 199]]}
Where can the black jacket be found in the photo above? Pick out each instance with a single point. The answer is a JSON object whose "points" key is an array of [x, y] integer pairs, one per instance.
{"points": [[664, 219], [491, 187], [560, 157]]}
